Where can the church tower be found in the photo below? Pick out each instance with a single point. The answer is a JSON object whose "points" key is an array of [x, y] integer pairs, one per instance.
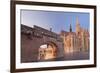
{"points": [[77, 26]]}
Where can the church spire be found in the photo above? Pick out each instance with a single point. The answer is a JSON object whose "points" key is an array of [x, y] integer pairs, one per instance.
{"points": [[77, 21], [70, 29], [77, 25]]}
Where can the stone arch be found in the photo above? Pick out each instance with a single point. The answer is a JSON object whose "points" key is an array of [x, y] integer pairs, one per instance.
{"points": [[49, 51]]}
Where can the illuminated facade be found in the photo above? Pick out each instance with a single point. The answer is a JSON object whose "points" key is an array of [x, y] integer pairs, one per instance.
{"points": [[75, 41]]}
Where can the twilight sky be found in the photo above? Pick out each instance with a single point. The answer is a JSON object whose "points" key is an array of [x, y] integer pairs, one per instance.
{"points": [[56, 20]]}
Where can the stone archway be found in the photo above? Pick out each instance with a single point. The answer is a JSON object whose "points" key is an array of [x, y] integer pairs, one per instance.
{"points": [[47, 51]]}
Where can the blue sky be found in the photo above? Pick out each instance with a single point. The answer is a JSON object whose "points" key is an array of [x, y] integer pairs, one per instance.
{"points": [[56, 20]]}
